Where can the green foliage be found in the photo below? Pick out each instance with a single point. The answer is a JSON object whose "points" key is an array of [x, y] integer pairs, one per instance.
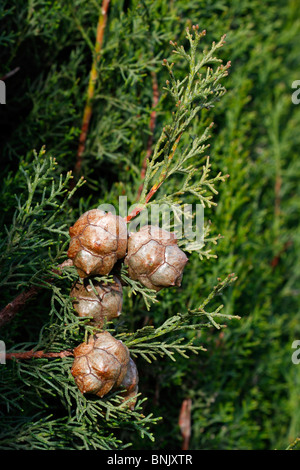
{"points": [[36, 225], [190, 96], [243, 385], [143, 341]]}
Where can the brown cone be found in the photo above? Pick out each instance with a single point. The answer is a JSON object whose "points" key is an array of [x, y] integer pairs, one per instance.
{"points": [[105, 305], [98, 240], [100, 364], [154, 258]]}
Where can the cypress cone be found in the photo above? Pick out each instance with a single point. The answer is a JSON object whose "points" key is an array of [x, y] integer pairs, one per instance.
{"points": [[100, 364], [98, 240], [102, 301], [130, 383], [154, 258]]}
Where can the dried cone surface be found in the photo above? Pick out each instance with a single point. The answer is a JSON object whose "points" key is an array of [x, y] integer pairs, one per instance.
{"points": [[154, 258], [100, 364], [105, 305], [130, 383], [98, 240]]}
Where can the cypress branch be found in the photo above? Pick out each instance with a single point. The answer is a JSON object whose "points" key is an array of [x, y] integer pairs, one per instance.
{"points": [[91, 86]]}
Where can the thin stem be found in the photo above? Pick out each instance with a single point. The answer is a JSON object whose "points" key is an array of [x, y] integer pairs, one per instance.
{"points": [[152, 123], [163, 176], [10, 74], [185, 422], [156, 186], [11, 309], [38, 354], [91, 86]]}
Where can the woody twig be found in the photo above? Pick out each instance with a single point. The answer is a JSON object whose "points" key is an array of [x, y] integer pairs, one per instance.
{"points": [[91, 86], [13, 307], [152, 123], [37, 355]]}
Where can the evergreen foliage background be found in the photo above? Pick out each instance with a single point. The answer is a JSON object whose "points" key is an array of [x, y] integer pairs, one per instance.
{"points": [[244, 388]]}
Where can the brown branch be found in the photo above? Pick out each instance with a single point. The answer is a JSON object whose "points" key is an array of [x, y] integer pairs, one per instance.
{"points": [[277, 257], [185, 422], [152, 123], [277, 190], [11, 309], [38, 354], [133, 214], [10, 74], [156, 186], [91, 86]]}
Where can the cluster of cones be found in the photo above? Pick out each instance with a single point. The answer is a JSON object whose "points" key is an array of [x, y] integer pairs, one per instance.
{"points": [[98, 240]]}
